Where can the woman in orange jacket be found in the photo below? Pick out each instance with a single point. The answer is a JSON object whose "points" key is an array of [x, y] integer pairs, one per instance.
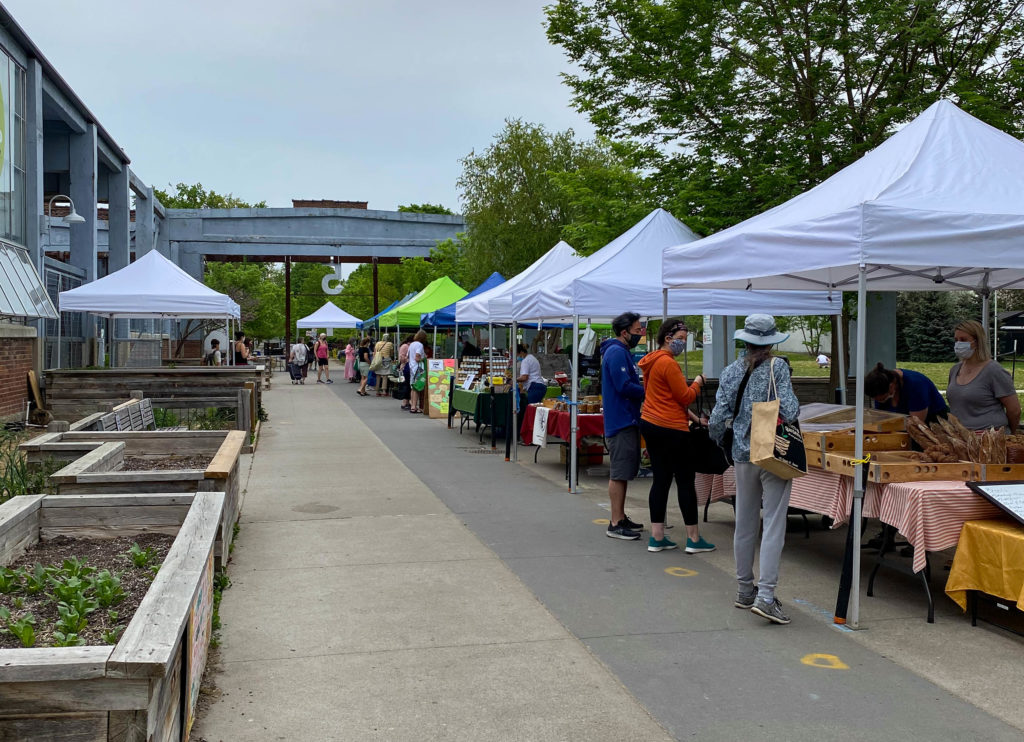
{"points": [[665, 426]]}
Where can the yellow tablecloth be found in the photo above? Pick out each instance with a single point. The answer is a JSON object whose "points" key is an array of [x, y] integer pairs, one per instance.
{"points": [[989, 558]]}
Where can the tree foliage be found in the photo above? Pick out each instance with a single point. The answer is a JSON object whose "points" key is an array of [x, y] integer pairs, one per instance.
{"points": [[745, 105], [425, 209], [258, 288], [195, 196], [515, 209]]}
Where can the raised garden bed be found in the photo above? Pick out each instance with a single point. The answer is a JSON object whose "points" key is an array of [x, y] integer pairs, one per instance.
{"points": [[101, 469], [144, 687]]}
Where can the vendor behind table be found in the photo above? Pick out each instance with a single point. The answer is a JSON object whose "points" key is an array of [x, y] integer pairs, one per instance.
{"points": [[906, 392], [981, 392]]}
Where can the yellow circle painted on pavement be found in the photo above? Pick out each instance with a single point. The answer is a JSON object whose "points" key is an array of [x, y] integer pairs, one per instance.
{"points": [[681, 572], [601, 521], [826, 661]]}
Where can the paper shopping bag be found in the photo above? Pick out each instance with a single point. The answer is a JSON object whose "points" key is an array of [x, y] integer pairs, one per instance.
{"points": [[775, 445]]}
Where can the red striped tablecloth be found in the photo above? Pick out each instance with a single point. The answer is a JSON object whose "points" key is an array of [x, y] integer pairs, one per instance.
{"points": [[931, 514], [819, 492]]}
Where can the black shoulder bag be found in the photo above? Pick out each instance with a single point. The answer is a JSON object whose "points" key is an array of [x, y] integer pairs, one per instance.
{"points": [[708, 456]]}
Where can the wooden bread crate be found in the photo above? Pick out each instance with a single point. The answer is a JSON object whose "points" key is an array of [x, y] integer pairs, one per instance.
{"points": [[842, 441], [815, 458], [1000, 472], [875, 421], [887, 467]]}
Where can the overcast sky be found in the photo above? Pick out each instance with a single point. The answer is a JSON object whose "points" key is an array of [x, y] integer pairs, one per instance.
{"points": [[371, 100]]}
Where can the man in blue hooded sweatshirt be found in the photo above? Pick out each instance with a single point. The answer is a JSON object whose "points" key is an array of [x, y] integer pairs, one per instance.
{"points": [[622, 394]]}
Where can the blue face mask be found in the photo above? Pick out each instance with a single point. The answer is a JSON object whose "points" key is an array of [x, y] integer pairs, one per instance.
{"points": [[676, 347]]}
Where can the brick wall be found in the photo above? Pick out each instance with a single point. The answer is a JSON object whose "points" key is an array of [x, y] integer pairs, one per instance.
{"points": [[15, 363]]}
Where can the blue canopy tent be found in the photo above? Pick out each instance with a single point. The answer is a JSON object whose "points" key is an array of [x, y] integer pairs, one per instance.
{"points": [[445, 317], [373, 320]]}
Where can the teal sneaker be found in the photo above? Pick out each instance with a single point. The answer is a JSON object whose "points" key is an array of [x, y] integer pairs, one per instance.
{"points": [[696, 547], [663, 545]]}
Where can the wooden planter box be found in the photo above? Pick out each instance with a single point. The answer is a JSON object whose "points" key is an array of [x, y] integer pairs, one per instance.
{"points": [[74, 393], [98, 470], [145, 687]]}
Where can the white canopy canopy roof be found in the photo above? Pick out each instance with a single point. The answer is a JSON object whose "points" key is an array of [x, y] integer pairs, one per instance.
{"points": [[150, 287], [937, 206], [495, 305], [623, 276], [328, 316]]}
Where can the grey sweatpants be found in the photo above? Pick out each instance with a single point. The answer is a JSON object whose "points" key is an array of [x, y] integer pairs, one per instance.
{"points": [[757, 489]]}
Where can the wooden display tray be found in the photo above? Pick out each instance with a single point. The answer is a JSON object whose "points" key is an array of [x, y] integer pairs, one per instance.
{"points": [[815, 458], [875, 421], [887, 467], [1000, 472], [843, 441]]}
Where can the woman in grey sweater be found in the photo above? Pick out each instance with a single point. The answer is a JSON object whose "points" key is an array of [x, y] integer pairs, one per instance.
{"points": [[756, 488]]}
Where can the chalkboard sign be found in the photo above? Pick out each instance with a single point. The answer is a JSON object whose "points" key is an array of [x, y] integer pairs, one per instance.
{"points": [[1008, 496]]}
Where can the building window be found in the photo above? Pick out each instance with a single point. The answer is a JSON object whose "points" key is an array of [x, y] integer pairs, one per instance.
{"points": [[12, 130]]}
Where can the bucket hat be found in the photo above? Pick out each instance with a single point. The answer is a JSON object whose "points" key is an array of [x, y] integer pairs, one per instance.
{"points": [[760, 329]]}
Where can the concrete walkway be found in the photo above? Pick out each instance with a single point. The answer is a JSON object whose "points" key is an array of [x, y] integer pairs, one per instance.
{"points": [[362, 608], [444, 594]]}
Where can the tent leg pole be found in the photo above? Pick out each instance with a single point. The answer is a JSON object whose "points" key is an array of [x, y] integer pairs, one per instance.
{"points": [[516, 401], [60, 330], [490, 349], [455, 345], [664, 304], [435, 343], [984, 311], [573, 409], [853, 554], [841, 360]]}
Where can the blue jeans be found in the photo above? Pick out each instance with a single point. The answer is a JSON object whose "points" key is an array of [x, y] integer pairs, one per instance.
{"points": [[535, 393]]}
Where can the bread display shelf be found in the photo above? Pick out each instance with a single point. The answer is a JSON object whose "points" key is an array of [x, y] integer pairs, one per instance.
{"points": [[886, 467], [844, 441], [875, 421]]}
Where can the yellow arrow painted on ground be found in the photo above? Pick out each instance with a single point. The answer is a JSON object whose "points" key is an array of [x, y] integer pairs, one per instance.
{"points": [[826, 661]]}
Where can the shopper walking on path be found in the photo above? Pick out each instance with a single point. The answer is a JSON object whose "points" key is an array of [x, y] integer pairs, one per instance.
{"points": [[417, 360], [403, 371], [622, 395], [665, 426], [383, 354], [322, 352], [297, 361], [363, 359], [350, 360], [743, 382], [241, 349]]}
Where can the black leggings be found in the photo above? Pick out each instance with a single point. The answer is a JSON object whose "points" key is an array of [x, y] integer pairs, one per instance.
{"points": [[671, 456]]}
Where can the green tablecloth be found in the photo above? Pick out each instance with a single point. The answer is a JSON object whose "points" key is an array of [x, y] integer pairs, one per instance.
{"points": [[478, 405]]}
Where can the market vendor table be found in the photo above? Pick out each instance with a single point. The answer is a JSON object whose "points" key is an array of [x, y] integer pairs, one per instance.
{"points": [[989, 559], [819, 492], [590, 424], [930, 514], [476, 407]]}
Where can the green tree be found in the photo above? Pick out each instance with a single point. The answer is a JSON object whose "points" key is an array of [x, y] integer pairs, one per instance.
{"points": [[924, 326], [258, 288], [186, 196], [426, 209], [514, 209], [744, 105]]}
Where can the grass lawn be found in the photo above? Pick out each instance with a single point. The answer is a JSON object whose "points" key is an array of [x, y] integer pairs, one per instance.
{"points": [[806, 366]]}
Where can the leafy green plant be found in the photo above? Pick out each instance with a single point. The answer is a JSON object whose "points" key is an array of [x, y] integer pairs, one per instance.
{"points": [[107, 588], [17, 477], [71, 621], [76, 567], [165, 418], [112, 615], [62, 639], [37, 579], [19, 602], [23, 628], [68, 590], [10, 580], [111, 635], [141, 557]]}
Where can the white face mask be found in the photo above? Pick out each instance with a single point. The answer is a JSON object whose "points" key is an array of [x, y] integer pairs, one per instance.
{"points": [[963, 350]]}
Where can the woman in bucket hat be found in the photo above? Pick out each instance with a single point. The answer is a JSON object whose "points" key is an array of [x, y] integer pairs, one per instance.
{"points": [[743, 382]]}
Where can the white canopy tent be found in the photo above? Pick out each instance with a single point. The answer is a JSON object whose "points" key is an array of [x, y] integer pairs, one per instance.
{"points": [[495, 305], [935, 207], [150, 288], [621, 277], [328, 316]]}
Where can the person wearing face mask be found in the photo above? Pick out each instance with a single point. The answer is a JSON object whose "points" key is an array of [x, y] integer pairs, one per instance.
{"points": [[622, 395], [980, 393], [665, 426], [906, 392], [529, 375]]}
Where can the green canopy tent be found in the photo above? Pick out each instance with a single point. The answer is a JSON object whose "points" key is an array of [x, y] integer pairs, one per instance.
{"points": [[437, 294]]}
